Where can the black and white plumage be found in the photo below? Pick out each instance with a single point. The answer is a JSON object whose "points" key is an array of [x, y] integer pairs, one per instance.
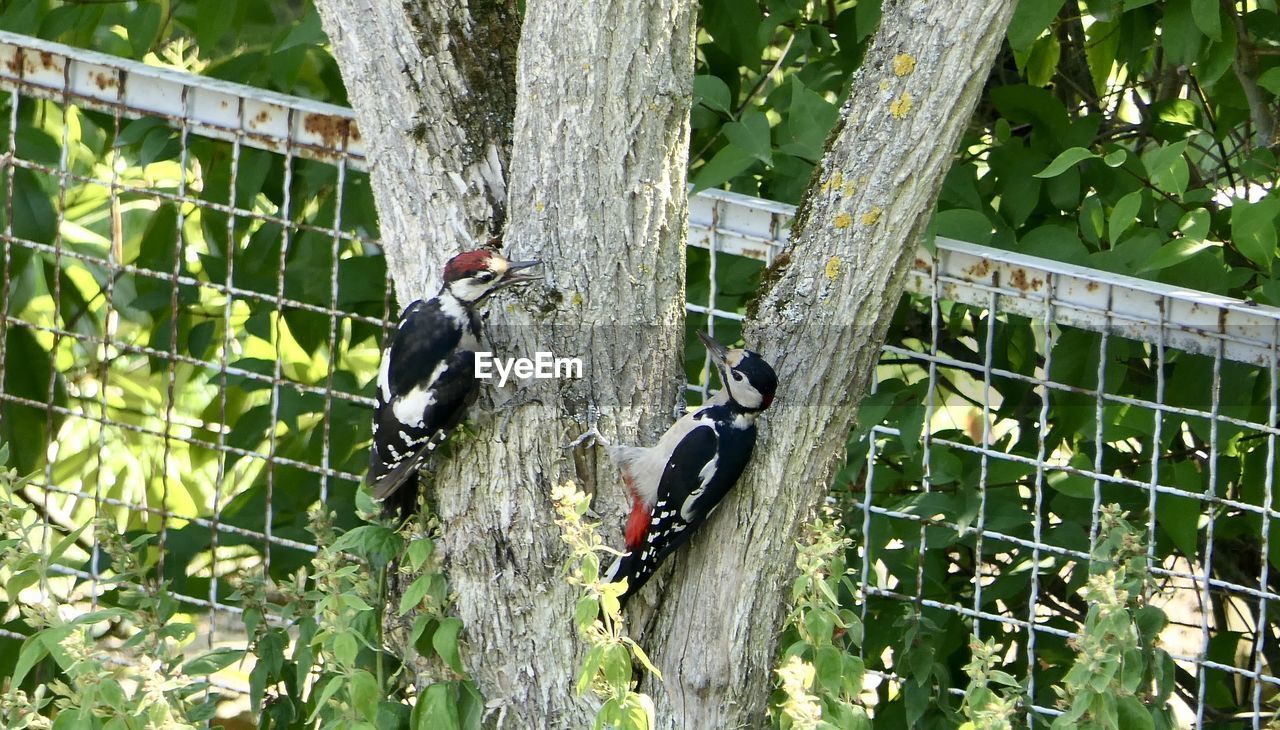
{"points": [[427, 377], [676, 484]]}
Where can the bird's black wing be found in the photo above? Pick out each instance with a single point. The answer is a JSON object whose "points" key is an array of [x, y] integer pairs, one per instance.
{"points": [[424, 387], [702, 468]]}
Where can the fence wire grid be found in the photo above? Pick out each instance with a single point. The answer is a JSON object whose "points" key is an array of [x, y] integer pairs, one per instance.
{"points": [[192, 297]]}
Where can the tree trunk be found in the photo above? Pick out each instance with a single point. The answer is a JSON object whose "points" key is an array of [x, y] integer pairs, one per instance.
{"points": [[433, 86], [821, 322], [597, 191]]}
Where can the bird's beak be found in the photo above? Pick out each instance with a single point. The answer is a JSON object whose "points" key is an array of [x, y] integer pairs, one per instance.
{"points": [[717, 351], [513, 278]]}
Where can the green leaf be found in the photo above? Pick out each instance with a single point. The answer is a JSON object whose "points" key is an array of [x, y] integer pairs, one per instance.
{"points": [[375, 543], [1132, 715], [1179, 34], [734, 27], [713, 93], [585, 613], [1069, 158], [616, 664], [751, 134], [1217, 59], [365, 694], [1195, 224], [828, 664], [1174, 252], [1102, 42], [1270, 80], [1029, 20], [345, 649], [1167, 167], [33, 650], [730, 162], [1042, 61], [144, 27], [1253, 230], [963, 224], [212, 661], [1116, 158], [331, 687], [445, 642], [306, 31], [635, 715], [590, 667], [1123, 215], [809, 119], [1208, 18], [414, 594], [590, 566], [867, 17], [20, 582], [420, 551]]}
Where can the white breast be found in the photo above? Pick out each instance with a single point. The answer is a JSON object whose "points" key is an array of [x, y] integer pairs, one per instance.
{"points": [[647, 464]]}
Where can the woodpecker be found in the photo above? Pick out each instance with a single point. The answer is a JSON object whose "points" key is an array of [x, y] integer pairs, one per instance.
{"points": [[676, 484], [427, 377]]}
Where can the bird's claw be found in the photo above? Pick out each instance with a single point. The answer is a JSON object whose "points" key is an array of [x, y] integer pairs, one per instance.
{"points": [[592, 437]]}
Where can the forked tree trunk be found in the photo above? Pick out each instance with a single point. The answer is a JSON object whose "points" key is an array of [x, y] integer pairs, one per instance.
{"points": [[597, 190]]}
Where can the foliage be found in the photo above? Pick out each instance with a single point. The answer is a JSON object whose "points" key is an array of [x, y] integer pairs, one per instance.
{"points": [[820, 677], [984, 707], [606, 666], [144, 681], [1119, 678], [271, 45], [1130, 137], [315, 646], [1134, 137]]}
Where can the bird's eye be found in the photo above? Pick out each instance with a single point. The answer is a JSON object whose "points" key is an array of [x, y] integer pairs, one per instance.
{"points": [[484, 276], [737, 375]]}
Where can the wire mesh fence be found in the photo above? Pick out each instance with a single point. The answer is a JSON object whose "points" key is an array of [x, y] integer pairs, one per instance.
{"points": [[192, 299]]}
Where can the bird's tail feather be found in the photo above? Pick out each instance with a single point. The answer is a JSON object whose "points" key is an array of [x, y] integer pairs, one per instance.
{"points": [[387, 486]]}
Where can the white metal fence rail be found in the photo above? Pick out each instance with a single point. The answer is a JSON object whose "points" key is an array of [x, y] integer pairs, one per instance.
{"points": [[965, 375]]}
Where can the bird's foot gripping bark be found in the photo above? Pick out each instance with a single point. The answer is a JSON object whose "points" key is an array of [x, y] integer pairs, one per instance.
{"points": [[592, 436]]}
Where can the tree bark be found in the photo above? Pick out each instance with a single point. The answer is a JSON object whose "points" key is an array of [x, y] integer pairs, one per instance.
{"points": [[433, 87], [597, 191], [821, 322]]}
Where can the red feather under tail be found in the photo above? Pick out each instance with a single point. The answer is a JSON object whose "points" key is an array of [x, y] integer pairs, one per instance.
{"points": [[637, 524]]}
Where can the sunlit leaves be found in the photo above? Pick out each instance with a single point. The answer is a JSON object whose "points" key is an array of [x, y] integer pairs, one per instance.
{"points": [[766, 91], [1253, 229], [1030, 18], [1067, 159]]}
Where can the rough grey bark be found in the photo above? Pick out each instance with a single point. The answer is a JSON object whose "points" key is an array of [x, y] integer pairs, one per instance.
{"points": [[596, 191], [821, 322], [433, 87]]}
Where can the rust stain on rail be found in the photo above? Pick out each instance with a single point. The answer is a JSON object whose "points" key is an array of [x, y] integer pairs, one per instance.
{"points": [[1018, 279], [334, 130]]}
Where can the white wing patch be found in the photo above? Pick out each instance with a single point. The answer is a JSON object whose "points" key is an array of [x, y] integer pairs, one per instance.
{"points": [[384, 376], [410, 407], [708, 471]]}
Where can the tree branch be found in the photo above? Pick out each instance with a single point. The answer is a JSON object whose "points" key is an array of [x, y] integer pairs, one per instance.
{"points": [[821, 323]]}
